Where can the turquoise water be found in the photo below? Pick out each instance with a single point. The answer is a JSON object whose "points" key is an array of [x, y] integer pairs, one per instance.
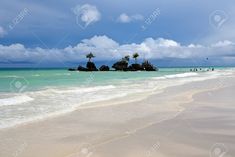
{"points": [[15, 79], [27, 95]]}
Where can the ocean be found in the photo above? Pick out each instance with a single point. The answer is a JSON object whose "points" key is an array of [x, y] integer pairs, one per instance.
{"points": [[27, 95]]}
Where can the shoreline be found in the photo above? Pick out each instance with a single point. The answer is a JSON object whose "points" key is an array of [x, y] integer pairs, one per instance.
{"points": [[132, 97], [96, 128]]}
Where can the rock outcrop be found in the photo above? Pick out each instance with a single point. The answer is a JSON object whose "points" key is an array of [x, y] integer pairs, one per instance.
{"points": [[90, 66], [121, 65], [147, 66], [71, 69], [135, 67], [81, 68], [104, 68]]}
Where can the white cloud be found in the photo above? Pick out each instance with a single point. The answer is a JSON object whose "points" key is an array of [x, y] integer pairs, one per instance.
{"points": [[107, 49], [223, 43], [124, 18], [100, 42], [162, 42], [2, 32], [87, 13], [195, 46]]}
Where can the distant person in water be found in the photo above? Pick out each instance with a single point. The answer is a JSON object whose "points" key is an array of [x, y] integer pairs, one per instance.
{"points": [[200, 69]]}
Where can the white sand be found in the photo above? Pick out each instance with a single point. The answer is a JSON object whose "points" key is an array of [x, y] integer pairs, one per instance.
{"points": [[196, 119]]}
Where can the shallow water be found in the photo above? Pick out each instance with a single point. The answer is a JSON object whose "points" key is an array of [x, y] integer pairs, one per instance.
{"points": [[27, 95]]}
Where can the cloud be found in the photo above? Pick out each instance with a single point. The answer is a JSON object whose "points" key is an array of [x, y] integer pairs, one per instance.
{"points": [[224, 43], [87, 13], [124, 18], [2, 32], [106, 48], [100, 42]]}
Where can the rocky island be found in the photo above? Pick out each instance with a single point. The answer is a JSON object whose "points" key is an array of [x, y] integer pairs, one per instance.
{"points": [[121, 65]]}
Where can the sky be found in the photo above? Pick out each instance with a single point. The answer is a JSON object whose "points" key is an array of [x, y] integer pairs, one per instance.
{"points": [[171, 33]]}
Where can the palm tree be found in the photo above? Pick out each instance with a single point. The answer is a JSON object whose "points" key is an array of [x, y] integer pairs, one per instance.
{"points": [[89, 56], [135, 56]]}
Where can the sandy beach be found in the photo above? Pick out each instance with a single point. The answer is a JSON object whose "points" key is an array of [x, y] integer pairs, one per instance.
{"points": [[103, 78], [194, 119]]}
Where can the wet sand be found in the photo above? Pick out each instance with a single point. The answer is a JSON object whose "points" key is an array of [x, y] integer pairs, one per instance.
{"points": [[195, 119]]}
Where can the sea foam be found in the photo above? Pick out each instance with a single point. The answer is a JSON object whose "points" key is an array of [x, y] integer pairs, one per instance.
{"points": [[15, 100]]}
